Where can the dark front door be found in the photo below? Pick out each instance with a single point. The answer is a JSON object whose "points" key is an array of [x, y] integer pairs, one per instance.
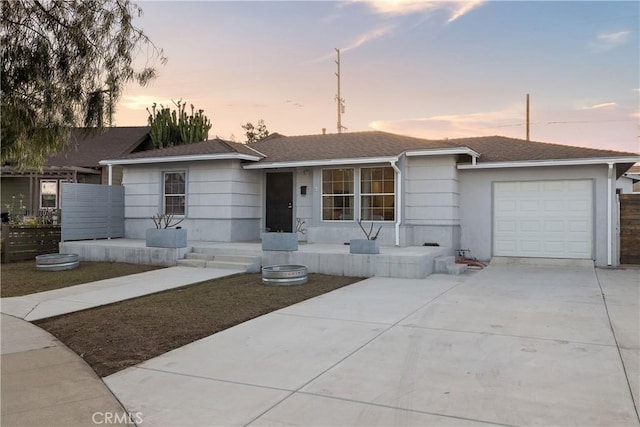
{"points": [[279, 215]]}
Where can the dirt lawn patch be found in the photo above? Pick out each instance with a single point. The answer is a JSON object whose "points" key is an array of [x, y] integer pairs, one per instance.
{"points": [[22, 278], [123, 334]]}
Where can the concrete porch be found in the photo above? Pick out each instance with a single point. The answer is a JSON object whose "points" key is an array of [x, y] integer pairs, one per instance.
{"points": [[414, 262]]}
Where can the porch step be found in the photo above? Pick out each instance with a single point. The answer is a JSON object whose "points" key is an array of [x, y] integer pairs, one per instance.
{"points": [[456, 269], [250, 264], [447, 265]]}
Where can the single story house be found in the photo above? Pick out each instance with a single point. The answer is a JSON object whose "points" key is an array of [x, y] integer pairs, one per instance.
{"points": [[78, 163], [494, 196], [629, 182]]}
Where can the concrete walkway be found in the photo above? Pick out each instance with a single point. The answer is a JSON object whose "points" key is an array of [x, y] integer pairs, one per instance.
{"points": [[510, 345], [81, 297], [46, 384], [621, 290]]}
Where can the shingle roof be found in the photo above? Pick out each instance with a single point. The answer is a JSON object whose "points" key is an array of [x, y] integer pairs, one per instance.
{"points": [[212, 146], [634, 169], [87, 150], [375, 144], [355, 145], [342, 146], [502, 149]]}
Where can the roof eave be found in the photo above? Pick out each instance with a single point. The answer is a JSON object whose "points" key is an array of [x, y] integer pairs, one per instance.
{"points": [[188, 158], [552, 162], [443, 152], [137, 143], [364, 160], [321, 162], [46, 169]]}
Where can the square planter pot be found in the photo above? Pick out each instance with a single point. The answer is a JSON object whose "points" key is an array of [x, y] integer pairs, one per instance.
{"points": [[280, 242], [166, 238], [364, 246]]}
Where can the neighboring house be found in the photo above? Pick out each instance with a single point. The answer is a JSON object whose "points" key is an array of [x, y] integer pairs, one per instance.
{"points": [[79, 162], [494, 196], [629, 182]]}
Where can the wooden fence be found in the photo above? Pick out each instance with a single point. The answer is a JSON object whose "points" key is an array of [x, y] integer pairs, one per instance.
{"points": [[629, 228], [20, 243]]}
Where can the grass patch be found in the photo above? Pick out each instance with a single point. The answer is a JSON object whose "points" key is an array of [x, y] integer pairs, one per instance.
{"points": [[22, 278], [114, 337]]}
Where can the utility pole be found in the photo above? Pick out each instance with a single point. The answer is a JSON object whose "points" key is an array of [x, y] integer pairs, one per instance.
{"points": [[527, 117], [339, 99]]}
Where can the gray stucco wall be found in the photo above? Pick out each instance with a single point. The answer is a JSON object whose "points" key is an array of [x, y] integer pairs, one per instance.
{"points": [[224, 201], [432, 201], [476, 207], [338, 232], [429, 205], [303, 203]]}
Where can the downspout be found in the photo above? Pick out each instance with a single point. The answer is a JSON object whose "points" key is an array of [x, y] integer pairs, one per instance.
{"points": [[398, 199], [110, 181], [609, 215]]}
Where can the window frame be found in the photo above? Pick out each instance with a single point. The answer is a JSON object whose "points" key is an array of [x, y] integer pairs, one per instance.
{"points": [[362, 194], [352, 195], [165, 194], [56, 194]]}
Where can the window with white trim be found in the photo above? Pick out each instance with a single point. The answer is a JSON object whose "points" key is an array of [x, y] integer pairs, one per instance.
{"points": [[337, 194], [48, 194], [174, 193], [377, 194]]}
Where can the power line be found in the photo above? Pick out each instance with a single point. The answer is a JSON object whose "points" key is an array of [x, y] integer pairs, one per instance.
{"points": [[592, 121], [557, 123]]}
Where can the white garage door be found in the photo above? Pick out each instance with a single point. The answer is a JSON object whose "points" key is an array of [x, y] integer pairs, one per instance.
{"points": [[548, 219]]}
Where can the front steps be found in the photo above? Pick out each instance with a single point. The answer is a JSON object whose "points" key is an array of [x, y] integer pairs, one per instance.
{"points": [[416, 262], [447, 265], [248, 264], [410, 264], [413, 262]]}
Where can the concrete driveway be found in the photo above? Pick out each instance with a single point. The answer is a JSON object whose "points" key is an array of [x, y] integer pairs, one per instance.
{"points": [[510, 345]]}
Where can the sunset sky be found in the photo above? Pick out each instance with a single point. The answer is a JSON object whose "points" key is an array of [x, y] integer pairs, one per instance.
{"points": [[442, 69]]}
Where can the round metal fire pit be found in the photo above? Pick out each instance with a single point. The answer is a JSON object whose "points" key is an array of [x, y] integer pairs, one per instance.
{"points": [[57, 262], [284, 275]]}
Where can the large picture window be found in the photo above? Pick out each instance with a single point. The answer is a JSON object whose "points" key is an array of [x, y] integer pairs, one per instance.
{"points": [[377, 194], [337, 195], [174, 193]]}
